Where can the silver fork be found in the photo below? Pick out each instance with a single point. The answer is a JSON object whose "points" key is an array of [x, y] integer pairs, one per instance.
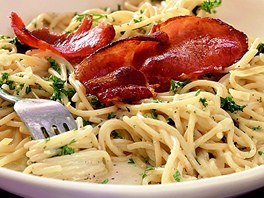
{"points": [[43, 118]]}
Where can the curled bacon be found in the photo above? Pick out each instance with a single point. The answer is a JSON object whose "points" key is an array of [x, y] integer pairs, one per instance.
{"points": [[118, 54], [124, 84], [74, 47], [193, 47], [198, 46]]}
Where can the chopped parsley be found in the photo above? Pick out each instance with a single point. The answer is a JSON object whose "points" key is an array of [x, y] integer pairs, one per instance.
{"points": [[208, 6], [11, 84], [198, 92], [204, 102], [154, 114], [105, 181], [177, 176], [4, 47], [5, 76], [54, 65], [131, 161], [260, 49], [144, 174], [65, 150], [156, 101], [95, 102], [96, 16], [4, 80], [228, 104], [138, 20], [47, 139], [175, 85], [58, 88], [261, 153], [258, 128], [111, 115], [28, 89]]}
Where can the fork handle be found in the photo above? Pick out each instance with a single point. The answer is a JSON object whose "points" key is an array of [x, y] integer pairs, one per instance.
{"points": [[8, 97]]}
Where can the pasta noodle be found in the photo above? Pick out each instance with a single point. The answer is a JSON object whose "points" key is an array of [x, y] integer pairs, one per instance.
{"points": [[175, 137]]}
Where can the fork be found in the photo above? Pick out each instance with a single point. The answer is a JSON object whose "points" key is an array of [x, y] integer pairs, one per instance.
{"points": [[43, 118]]}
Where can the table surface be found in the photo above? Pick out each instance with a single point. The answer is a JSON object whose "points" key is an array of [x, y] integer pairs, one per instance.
{"points": [[259, 193]]}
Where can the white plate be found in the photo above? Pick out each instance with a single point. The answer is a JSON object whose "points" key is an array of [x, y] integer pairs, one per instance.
{"points": [[244, 15]]}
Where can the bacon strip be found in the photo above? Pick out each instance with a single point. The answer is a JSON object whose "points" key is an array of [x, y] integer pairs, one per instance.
{"points": [[124, 84], [118, 54], [74, 47], [196, 46]]}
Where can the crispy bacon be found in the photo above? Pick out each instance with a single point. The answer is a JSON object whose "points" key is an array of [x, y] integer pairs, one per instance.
{"points": [[196, 46], [124, 84], [118, 54], [74, 47]]}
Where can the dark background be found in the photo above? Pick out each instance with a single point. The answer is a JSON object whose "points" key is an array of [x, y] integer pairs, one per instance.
{"points": [[259, 193]]}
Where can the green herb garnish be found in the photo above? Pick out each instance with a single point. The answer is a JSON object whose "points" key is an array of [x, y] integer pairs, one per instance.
{"points": [[175, 85], [131, 161], [228, 104], [54, 65], [111, 115], [144, 174], [208, 6], [95, 102], [177, 176], [138, 20], [260, 49], [58, 88], [28, 89], [65, 150], [204, 102], [154, 114], [198, 92], [258, 128], [105, 181], [96, 16]]}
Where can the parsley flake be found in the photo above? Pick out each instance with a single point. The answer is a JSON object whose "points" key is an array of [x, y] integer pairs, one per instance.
{"points": [[144, 174], [58, 88], [257, 128], [208, 6], [177, 176], [204, 102], [65, 150], [54, 65], [105, 181], [131, 161], [176, 85], [228, 104], [111, 115]]}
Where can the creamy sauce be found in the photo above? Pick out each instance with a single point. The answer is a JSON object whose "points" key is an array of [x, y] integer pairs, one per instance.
{"points": [[124, 173]]}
